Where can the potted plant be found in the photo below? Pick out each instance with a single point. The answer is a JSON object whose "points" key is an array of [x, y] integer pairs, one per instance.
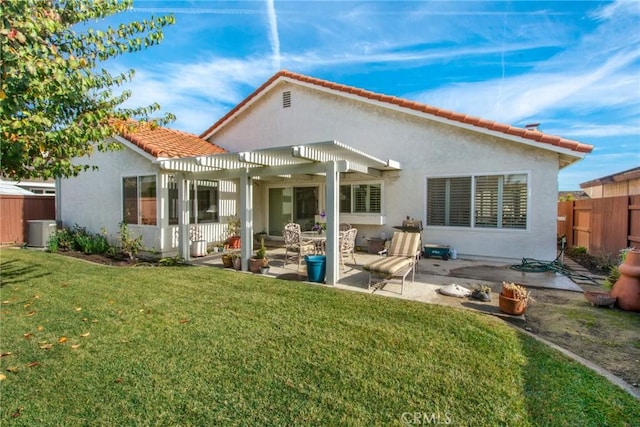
{"points": [[198, 243], [513, 299], [482, 293], [233, 232], [236, 260], [260, 260], [227, 260]]}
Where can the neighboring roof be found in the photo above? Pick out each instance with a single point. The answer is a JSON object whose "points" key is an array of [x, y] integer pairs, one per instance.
{"points": [[9, 188], [575, 195], [169, 143], [627, 175], [482, 124]]}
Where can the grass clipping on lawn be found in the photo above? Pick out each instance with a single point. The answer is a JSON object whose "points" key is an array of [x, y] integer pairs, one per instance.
{"points": [[99, 345]]}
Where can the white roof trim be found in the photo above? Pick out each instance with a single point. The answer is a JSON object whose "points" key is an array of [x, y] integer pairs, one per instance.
{"points": [[566, 156], [281, 158]]}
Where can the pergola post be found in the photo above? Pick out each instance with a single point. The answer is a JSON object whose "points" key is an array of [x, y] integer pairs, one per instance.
{"points": [[246, 219], [333, 186], [184, 210]]}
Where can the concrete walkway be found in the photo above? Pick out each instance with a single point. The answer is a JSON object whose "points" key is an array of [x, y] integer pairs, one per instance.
{"points": [[432, 274]]}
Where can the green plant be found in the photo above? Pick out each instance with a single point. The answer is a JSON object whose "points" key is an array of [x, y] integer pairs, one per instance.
{"points": [[614, 273], [129, 245], [172, 261], [233, 226], [61, 240], [262, 252], [79, 239]]}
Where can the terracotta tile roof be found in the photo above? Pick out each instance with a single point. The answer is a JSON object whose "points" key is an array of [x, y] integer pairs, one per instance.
{"points": [[478, 122], [170, 143]]}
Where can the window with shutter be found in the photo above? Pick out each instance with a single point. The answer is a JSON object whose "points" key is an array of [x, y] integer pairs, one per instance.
{"points": [[361, 198], [497, 201], [449, 201]]}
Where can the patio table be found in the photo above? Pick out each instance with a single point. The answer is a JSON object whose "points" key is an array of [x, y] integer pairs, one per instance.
{"points": [[319, 239]]}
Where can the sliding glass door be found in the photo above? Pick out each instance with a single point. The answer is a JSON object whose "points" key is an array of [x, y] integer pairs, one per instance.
{"points": [[292, 204]]}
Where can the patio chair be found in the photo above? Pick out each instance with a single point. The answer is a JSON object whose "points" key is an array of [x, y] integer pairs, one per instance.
{"points": [[295, 246], [347, 245], [400, 260]]}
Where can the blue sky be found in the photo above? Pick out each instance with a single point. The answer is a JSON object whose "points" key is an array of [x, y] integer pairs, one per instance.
{"points": [[573, 66]]}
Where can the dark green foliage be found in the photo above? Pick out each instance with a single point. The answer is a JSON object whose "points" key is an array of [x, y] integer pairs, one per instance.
{"points": [[79, 239], [57, 102]]}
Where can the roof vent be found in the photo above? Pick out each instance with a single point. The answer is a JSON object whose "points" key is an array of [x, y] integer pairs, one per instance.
{"points": [[532, 126], [286, 99]]}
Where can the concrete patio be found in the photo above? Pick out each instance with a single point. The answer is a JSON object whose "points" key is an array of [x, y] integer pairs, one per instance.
{"points": [[432, 274]]}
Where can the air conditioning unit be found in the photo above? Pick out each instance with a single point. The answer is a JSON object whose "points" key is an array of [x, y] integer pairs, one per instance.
{"points": [[40, 231]]}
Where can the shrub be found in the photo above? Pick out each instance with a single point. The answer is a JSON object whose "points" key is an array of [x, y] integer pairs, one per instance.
{"points": [[130, 246], [61, 240], [79, 239]]}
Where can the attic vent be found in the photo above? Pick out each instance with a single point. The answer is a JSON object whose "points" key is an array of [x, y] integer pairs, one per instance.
{"points": [[286, 99]]}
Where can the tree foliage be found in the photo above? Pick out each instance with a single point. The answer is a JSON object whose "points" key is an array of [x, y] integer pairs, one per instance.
{"points": [[56, 101]]}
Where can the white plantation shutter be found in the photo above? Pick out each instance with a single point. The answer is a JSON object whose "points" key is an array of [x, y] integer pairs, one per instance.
{"points": [[514, 201], [449, 201], [499, 201], [486, 203], [361, 198]]}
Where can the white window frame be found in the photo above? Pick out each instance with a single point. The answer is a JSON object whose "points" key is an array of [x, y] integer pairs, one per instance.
{"points": [[138, 177], [472, 212], [352, 211]]}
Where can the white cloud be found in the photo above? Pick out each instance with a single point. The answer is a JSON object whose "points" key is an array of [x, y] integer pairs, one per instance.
{"points": [[274, 38]]}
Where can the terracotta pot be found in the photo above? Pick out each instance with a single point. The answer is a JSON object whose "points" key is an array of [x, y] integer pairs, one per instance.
{"points": [[234, 242], [627, 287], [512, 306], [256, 263], [507, 292]]}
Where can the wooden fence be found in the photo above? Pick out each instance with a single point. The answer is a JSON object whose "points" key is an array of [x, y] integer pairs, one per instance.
{"points": [[17, 211], [604, 225]]}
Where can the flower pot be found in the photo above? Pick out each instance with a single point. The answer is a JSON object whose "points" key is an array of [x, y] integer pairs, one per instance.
{"points": [[627, 287], [227, 261], [237, 263], [512, 306], [255, 264], [199, 248], [234, 242]]}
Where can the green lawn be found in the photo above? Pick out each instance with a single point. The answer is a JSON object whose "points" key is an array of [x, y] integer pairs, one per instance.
{"points": [[203, 346]]}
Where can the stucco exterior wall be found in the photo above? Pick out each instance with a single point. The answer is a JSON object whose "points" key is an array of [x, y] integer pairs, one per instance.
{"points": [[424, 149], [94, 200]]}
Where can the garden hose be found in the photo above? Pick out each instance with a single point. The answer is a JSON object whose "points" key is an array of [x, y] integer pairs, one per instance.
{"points": [[530, 265]]}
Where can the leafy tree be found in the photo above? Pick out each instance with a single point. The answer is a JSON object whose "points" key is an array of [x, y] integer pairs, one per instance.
{"points": [[56, 101]]}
